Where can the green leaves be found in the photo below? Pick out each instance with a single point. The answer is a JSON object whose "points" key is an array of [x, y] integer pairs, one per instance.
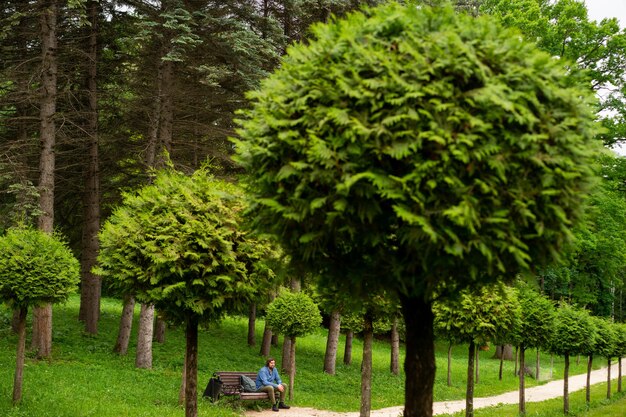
{"points": [[293, 314], [35, 268]]}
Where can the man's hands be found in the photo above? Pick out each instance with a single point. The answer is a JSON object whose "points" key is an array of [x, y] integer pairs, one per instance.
{"points": [[281, 387]]}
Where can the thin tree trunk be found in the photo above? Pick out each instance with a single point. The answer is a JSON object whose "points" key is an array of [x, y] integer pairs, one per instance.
{"points": [[266, 344], [143, 358], [516, 360], [332, 342], [419, 365], [469, 393], [160, 327], [191, 368], [292, 366], [15, 321], [91, 284], [275, 340], [126, 325], [19, 361], [450, 364], [286, 354], [566, 386], [537, 366], [522, 381], [477, 365], [252, 324], [588, 384], [501, 363], [42, 318], [619, 374], [608, 379], [395, 347], [366, 367], [347, 351]]}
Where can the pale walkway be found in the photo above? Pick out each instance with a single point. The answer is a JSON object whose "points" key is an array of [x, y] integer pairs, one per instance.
{"points": [[544, 392]]}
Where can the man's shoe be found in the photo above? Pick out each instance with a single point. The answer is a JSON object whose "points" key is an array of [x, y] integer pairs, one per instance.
{"points": [[274, 408], [283, 406]]}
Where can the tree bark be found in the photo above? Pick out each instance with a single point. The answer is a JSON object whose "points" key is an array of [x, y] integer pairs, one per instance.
{"points": [[366, 367], [252, 325], [419, 366], [91, 284], [143, 358], [566, 386], [191, 368], [522, 381], [619, 374], [19, 361], [160, 326], [395, 348], [292, 366], [42, 318], [332, 342], [286, 361], [608, 379], [347, 351], [516, 360], [126, 325], [469, 394], [15, 321], [504, 352], [588, 384], [266, 344], [501, 361], [450, 364]]}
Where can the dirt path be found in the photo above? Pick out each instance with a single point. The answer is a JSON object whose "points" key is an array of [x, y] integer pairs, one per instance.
{"points": [[544, 392]]}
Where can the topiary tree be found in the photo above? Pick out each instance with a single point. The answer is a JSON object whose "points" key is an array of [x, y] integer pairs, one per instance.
{"points": [[176, 244], [439, 147], [535, 330], [477, 317], [35, 269], [574, 334], [293, 314], [605, 345]]}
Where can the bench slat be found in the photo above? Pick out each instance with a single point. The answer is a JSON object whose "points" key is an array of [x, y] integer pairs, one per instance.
{"points": [[232, 387]]}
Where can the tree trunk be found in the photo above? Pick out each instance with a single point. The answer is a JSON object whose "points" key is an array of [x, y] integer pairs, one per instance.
{"points": [[504, 352], [522, 381], [160, 326], [332, 342], [566, 386], [15, 321], [469, 394], [126, 325], [275, 340], [608, 379], [366, 367], [191, 368], [19, 361], [347, 351], [91, 284], [292, 366], [143, 358], [619, 374], [266, 344], [516, 360], [419, 365], [476, 365], [395, 348], [286, 354], [450, 364], [42, 318], [252, 325], [538, 366], [501, 361], [588, 384]]}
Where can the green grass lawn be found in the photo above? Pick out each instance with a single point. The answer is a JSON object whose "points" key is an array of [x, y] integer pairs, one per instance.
{"points": [[85, 378]]}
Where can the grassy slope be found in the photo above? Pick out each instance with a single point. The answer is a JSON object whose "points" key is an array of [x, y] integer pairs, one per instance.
{"points": [[84, 378]]}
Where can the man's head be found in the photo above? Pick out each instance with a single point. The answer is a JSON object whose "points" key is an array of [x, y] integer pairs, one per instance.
{"points": [[270, 363]]}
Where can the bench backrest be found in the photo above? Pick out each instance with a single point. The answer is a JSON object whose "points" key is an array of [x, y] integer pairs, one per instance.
{"points": [[232, 377]]}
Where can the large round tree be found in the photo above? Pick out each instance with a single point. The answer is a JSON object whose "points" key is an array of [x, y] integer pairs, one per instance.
{"points": [[176, 244], [35, 269], [439, 147]]}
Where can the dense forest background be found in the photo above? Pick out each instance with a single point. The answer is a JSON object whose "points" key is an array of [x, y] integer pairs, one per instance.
{"points": [[97, 95]]}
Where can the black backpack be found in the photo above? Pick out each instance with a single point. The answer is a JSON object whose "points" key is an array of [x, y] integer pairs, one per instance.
{"points": [[213, 389]]}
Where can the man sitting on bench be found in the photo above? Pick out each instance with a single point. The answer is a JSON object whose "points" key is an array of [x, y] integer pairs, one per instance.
{"points": [[267, 380]]}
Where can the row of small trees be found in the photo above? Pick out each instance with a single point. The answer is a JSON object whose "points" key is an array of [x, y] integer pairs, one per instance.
{"points": [[523, 317]]}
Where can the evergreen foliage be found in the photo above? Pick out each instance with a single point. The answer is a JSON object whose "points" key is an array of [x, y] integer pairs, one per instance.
{"points": [[574, 331], [536, 326], [35, 268], [293, 314]]}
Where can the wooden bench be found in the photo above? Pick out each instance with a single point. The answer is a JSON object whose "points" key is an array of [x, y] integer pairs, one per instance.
{"points": [[231, 386]]}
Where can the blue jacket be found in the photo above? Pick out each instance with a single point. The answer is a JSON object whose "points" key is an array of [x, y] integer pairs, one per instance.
{"points": [[267, 377]]}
